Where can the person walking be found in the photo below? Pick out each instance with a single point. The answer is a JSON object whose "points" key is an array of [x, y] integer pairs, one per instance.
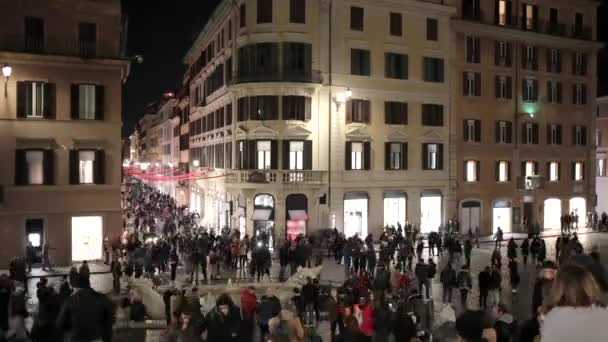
{"points": [[468, 249], [116, 274], [46, 261], [525, 250], [422, 275], [495, 285], [498, 237], [464, 284], [483, 281], [30, 255], [513, 275], [448, 281]]}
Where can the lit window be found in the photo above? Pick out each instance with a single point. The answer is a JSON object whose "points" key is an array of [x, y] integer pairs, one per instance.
{"points": [[530, 20], [530, 169], [86, 160], [431, 156], [86, 101], [502, 12], [296, 155], [35, 100], [470, 84], [35, 168], [553, 171], [471, 171], [263, 149], [601, 167], [503, 171], [578, 171], [395, 161], [356, 156]]}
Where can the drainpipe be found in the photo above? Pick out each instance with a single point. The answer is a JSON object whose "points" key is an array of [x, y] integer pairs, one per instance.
{"points": [[329, 104]]}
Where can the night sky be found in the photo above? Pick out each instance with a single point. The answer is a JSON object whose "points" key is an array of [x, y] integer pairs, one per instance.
{"points": [[163, 31]]}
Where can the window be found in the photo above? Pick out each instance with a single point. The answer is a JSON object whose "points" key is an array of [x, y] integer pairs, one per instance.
{"points": [[395, 113], [503, 132], [529, 168], [87, 39], [356, 156], [530, 13], [296, 108], [35, 167], [471, 171], [263, 108], [432, 156], [296, 155], [554, 134], [297, 11], [357, 111], [264, 11], [472, 83], [263, 157], [86, 101], [553, 171], [396, 153], [503, 87], [579, 94], [503, 171], [86, 161], [242, 16], [34, 99], [359, 62], [530, 133], [396, 66], [297, 61], [578, 171], [34, 35], [530, 90], [356, 18], [502, 54], [433, 69], [432, 115], [503, 16], [473, 54], [554, 60], [471, 130], [598, 138], [432, 29], [601, 167], [579, 64], [530, 58], [396, 24], [580, 136], [554, 92], [578, 23]]}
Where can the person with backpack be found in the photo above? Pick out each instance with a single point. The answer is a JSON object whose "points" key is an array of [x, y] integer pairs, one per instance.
{"points": [[464, 284], [505, 324]]}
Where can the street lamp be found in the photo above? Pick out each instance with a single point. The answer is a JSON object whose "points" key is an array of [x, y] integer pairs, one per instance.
{"points": [[7, 70], [342, 98], [195, 163]]}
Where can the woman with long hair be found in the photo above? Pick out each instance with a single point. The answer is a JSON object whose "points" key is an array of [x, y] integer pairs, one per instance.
{"points": [[575, 308]]}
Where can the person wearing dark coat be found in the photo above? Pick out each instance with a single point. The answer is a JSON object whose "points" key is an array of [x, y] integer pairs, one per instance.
{"points": [[269, 307], [484, 281], [525, 250], [511, 249], [86, 315], [513, 275], [448, 280], [381, 321], [224, 321]]}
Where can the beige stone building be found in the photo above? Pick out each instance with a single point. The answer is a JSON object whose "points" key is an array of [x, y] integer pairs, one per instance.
{"points": [[601, 142], [60, 122], [523, 112], [311, 115]]}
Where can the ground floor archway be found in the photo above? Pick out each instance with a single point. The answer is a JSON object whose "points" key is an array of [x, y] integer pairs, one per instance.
{"points": [[501, 216], [578, 207], [356, 206], [470, 216], [430, 211], [296, 206], [552, 212], [395, 204], [263, 218]]}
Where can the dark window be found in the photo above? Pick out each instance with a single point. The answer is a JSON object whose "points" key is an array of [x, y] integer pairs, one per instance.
{"points": [[432, 29], [264, 11], [473, 49], [229, 30], [396, 24], [34, 35], [358, 111], [356, 18], [530, 90], [554, 134], [296, 108], [471, 130], [554, 60], [395, 113], [243, 15], [297, 11], [359, 62], [297, 61], [229, 114], [432, 115], [229, 70], [529, 57], [87, 39], [433, 69], [578, 22], [529, 133], [242, 109], [396, 66], [228, 155], [258, 62], [502, 54], [554, 92], [263, 108], [503, 132], [504, 87]]}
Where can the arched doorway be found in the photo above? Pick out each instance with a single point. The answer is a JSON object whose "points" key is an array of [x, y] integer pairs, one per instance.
{"points": [[241, 213], [552, 213], [578, 207], [501, 216], [355, 213], [430, 211], [263, 218], [395, 204], [470, 214], [297, 215]]}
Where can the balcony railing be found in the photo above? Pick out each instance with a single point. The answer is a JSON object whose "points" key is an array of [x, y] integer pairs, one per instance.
{"points": [[313, 76], [472, 15], [276, 177], [59, 47], [581, 32], [529, 183], [556, 29]]}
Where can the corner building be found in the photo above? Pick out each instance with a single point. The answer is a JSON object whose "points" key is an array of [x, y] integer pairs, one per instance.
{"points": [[310, 115], [523, 101]]}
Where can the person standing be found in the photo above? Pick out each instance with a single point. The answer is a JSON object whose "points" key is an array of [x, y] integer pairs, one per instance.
{"points": [[468, 248], [495, 285], [116, 274], [513, 275], [498, 237], [46, 261], [484, 287], [464, 284], [525, 250], [30, 255], [422, 274], [173, 262], [448, 280]]}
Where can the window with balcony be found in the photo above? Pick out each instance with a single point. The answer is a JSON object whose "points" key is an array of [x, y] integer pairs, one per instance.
{"points": [[432, 29], [359, 62], [396, 24], [530, 17], [472, 83], [579, 135], [296, 155], [578, 171], [395, 66], [297, 11], [358, 111], [554, 134], [554, 92], [263, 149], [87, 39], [579, 94], [264, 11], [34, 35], [553, 168], [471, 130], [503, 171], [35, 99], [530, 168], [395, 156], [432, 115], [433, 69], [356, 18], [395, 113], [504, 87], [432, 156], [503, 132], [473, 51], [530, 90], [471, 170]]}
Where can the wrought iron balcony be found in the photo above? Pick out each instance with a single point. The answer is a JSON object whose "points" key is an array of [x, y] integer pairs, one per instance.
{"points": [[579, 32], [313, 76], [472, 15], [276, 177]]}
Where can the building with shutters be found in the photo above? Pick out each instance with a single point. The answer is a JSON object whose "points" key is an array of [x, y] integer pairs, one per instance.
{"points": [[288, 150], [60, 127], [523, 106], [601, 143]]}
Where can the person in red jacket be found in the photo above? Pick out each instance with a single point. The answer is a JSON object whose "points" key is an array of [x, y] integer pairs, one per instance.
{"points": [[364, 312], [248, 306]]}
